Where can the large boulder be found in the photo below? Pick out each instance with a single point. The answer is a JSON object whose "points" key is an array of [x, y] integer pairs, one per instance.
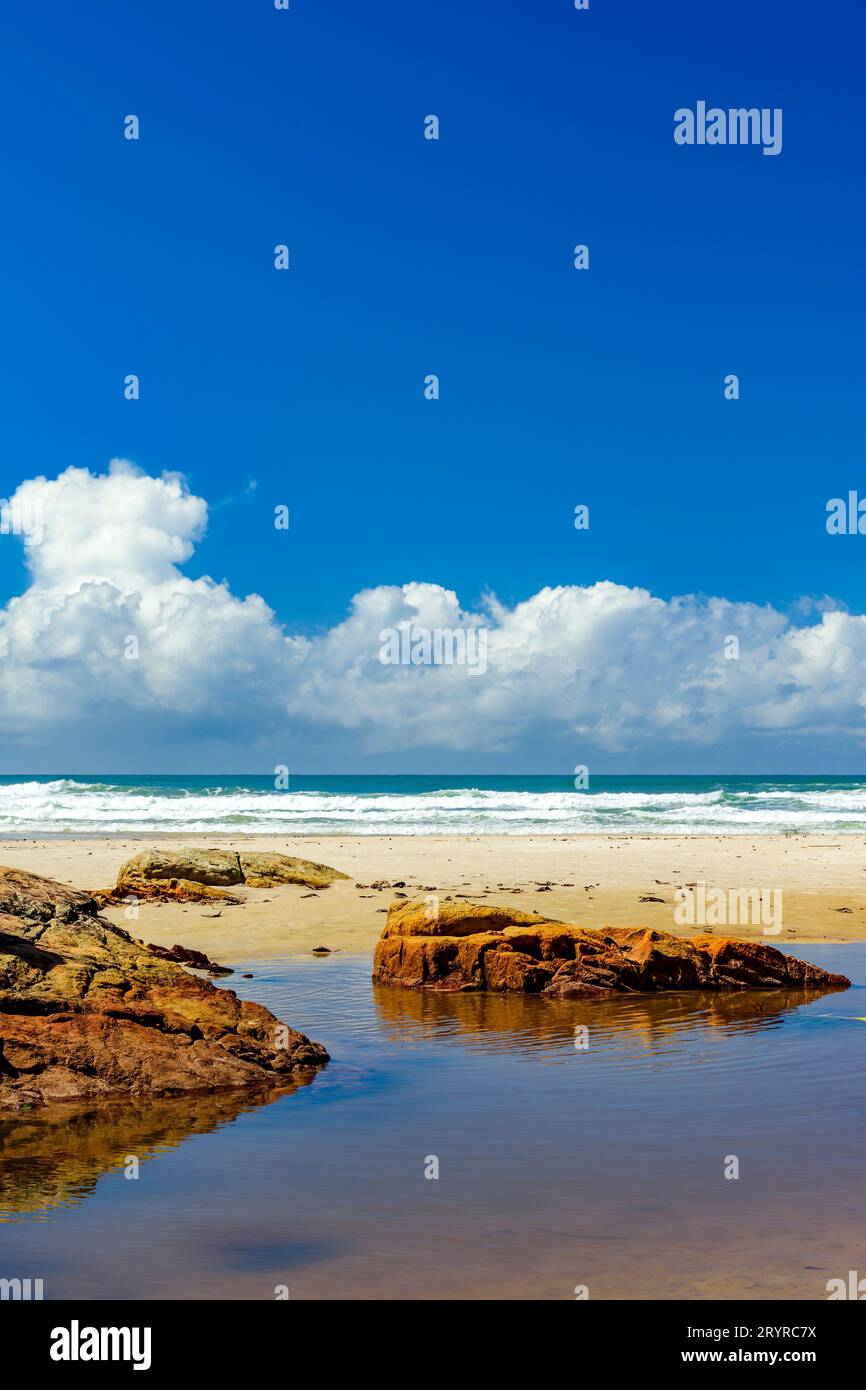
{"points": [[265, 870], [88, 1012], [216, 867], [197, 874], [488, 948]]}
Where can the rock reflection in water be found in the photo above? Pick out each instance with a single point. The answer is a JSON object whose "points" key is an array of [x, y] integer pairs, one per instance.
{"points": [[56, 1155], [638, 1022]]}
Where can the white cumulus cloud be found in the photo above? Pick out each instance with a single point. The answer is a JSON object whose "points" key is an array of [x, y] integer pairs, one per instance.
{"points": [[602, 666]]}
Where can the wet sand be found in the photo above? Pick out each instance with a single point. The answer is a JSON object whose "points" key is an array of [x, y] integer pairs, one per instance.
{"points": [[595, 881]]}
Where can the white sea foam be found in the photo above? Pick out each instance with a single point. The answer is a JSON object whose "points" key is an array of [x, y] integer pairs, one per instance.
{"points": [[73, 806]]}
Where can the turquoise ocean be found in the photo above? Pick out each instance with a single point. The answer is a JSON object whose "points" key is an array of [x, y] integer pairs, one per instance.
{"points": [[430, 805]]}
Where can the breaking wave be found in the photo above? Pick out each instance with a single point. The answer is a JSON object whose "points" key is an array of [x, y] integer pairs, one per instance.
{"points": [[417, 805]]}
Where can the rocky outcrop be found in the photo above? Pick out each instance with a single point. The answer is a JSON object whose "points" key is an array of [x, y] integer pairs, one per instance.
{"points": [[466, 948], [195, 875], [87, 1012], [263, 870], [196, 960]]}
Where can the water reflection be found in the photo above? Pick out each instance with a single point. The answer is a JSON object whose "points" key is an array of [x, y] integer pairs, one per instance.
{"points": [[55, 1156], [561, 1167], [636, 1022]]}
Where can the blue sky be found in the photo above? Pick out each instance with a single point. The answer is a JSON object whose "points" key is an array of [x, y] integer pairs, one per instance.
{"points": [[454, 257]]}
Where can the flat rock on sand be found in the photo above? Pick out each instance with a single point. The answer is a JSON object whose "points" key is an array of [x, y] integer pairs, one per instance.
{"points": [[198, 874], [86, 1011], [488, 948]]}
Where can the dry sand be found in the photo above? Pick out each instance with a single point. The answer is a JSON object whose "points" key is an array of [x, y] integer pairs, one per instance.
{"points": [[594, 880]]}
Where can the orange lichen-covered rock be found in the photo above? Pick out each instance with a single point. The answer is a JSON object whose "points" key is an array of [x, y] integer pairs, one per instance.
{"points": [[88, 1012], [491, 948]]}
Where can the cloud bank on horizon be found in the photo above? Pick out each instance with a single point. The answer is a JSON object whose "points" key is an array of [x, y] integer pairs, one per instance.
{"points": [[601, 668]]}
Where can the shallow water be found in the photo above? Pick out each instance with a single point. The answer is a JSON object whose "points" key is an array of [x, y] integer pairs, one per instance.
{"points": [[558, 1165]]}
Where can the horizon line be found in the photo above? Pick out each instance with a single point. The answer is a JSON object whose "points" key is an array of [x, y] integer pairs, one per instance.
{"points": [[247, 773]]}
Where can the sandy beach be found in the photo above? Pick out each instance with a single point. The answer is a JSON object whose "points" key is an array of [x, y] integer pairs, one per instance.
{"points": [[594, 881]]}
